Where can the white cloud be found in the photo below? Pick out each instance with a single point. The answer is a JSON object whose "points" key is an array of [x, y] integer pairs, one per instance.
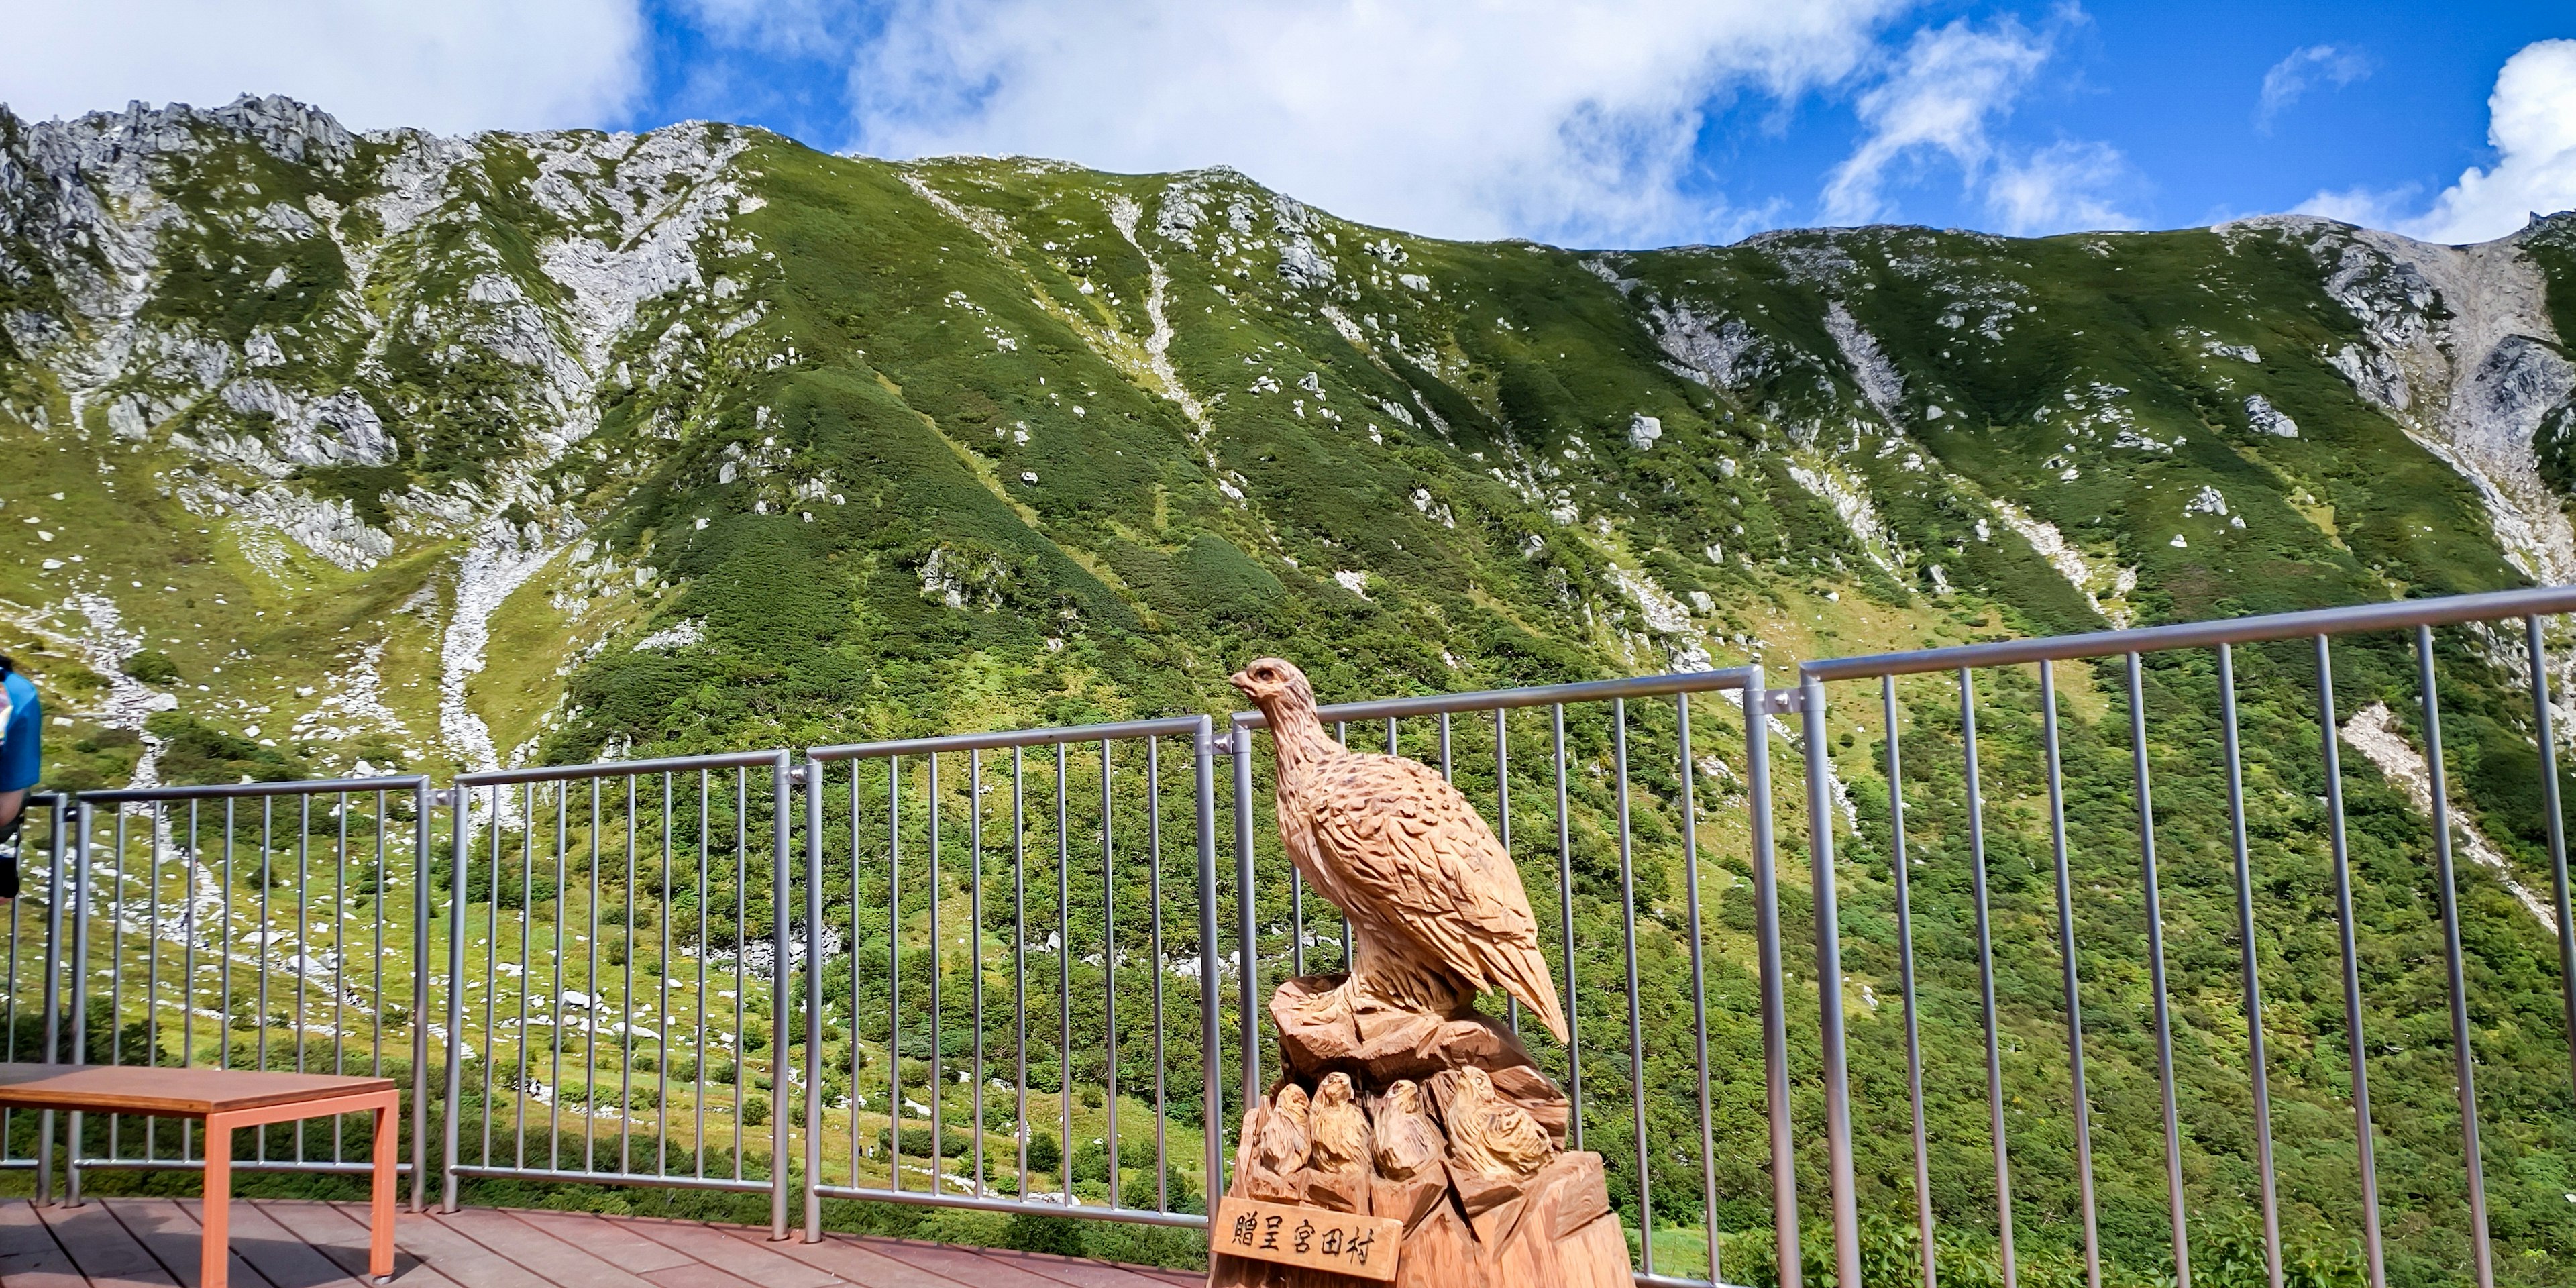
{"points": [[1577, 121], [2531, 125], [2303, 69], [1941, 100], [451, 66]]}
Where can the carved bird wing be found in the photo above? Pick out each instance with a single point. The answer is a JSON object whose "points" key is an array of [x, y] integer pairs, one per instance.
{"points": [[1402, 835]]}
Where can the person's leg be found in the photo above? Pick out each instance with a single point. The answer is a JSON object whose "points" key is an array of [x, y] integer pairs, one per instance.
{"points": [[13, 804]]}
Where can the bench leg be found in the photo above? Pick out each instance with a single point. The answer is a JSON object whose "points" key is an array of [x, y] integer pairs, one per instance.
{"points": [[214, 1257], [380, 1219]]}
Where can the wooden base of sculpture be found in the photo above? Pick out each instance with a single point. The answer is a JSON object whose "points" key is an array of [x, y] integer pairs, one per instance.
{"points": [[1472, 1164]]}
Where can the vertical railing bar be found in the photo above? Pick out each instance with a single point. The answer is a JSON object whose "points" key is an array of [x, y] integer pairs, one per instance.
{"points": [[2174, 1198], [80, 913], [1503, 833], [741, 943], [662, 1003], [698, 1033], [491, 984], [1020, 956], [1064, 977], [1829, 986], [856, 1148], [303, 924], [1772, 976], [340, 958], [1247, 948], [1211, 1051], [1448, 768], [2258, 1063], [1296, 921], [267, 932], [938, 937], [153, 811], [188, 930], [1986, 978], [527, 928], [1154, 901], [1109, 968], [116, 974], [1905, 979], [1636, 1024], [2328, 731], [2545, 732], [815, 1104], [2070, 976], [556, 946], [2463, 1056], [894, 974], [590, 985], [626, 1001], [1565, 913], [975, 965], [781, 996], [459, 887], [1699, 972]]}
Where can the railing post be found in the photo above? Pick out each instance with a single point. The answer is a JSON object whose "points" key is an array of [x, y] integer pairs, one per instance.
{"points": [[1829, 983], [814, 1002], [458, 882], [1248, 951], [66, 808], [1775, 1024], [78, 965], [781, 995], [422, 973], [1211, 1037]]}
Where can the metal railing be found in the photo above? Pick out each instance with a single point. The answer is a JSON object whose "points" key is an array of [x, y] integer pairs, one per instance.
{"points": [[1662, 780], [2220, 643], [246, 926], [640, 938], [1088, 808], [692, 850]]}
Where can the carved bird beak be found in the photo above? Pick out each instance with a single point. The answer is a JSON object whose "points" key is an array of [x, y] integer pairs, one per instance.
{"points": [[1241, 681]]}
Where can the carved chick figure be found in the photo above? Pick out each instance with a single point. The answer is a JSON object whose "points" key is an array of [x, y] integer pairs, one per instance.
{"points": [[1437, 910], [1337, 1126], [1284, 1144], [1406, 1142], [1491, 1136]]}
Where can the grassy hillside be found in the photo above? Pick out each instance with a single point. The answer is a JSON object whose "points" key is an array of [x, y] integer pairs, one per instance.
{"points": [[447, 453]]}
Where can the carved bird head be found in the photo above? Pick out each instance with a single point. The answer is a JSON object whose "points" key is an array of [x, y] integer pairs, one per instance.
{"points": [[1274, 686]]}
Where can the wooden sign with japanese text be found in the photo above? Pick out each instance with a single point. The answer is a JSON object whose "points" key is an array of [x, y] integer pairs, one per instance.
{"points": [[1363, 1246]]}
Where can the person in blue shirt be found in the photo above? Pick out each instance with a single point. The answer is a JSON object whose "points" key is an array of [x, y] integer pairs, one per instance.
{"points": [[22, 723]]}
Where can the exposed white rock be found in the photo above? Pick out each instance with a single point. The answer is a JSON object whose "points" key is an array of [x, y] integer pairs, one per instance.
{"points": [[1853, 506], [1643, 430], [2268, 419], [2372, 731]]}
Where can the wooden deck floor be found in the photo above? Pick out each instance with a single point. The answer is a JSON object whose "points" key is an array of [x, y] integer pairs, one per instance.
{"points": [[129, 1241]]}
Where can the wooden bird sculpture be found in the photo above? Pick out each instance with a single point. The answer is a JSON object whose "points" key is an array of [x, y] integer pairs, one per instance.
{"points": [[1491, 1136], [1337, 1126], [1405, 1142], [1437, 910], [1284, 1144]]}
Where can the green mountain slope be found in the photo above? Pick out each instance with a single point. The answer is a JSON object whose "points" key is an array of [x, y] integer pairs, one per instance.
{"points": [[328, 448]]}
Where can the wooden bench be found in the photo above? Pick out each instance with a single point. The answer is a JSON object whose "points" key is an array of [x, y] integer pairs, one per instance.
{"points": [[224, 1100]]}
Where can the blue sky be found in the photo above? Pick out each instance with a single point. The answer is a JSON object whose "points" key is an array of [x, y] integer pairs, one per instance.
{"points": [[1598, 122]]}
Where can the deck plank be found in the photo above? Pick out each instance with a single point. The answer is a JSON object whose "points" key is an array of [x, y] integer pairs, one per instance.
{"points": [[963, 1265], [762, 1262], [29, 1257], [433, 1238], [561, 1264], [1080, 1273], [102, 1248], [170, 1229], [638, 1255], [281, 1255], [855, 1260], [698, 1274], [340, 1233]]}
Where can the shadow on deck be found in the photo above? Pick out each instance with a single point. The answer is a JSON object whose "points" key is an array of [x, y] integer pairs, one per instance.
{"points": [[303, 1244]]}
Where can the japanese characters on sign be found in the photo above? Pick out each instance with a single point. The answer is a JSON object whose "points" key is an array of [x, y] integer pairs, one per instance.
{"points": [[1337, 1241]]}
